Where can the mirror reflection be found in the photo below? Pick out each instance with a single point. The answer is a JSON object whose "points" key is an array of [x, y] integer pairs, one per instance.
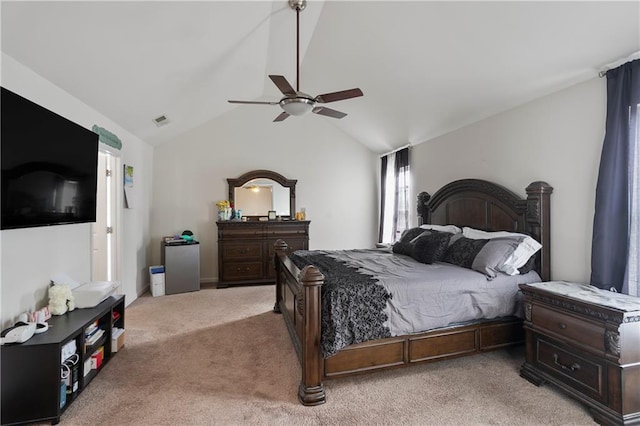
{"points": [[258, 192], [258, 196]]}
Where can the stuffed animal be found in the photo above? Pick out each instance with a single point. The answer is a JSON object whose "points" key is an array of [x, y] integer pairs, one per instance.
{"points": [[60, 299]]}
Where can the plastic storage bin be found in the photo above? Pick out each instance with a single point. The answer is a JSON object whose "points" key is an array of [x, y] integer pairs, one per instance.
{"points": [[156, 277]]}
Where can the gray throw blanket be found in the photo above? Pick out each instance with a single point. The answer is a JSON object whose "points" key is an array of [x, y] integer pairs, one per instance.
{"points": [[353, 303]]}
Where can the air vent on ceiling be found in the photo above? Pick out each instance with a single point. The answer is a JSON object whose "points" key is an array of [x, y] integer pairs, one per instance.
{"points": [[161, 121]]}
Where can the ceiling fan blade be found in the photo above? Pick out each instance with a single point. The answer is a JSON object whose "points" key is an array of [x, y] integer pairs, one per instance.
{"points": [[283, 85], [281, 117], [338, 96], [253, 102], [329, 112]]}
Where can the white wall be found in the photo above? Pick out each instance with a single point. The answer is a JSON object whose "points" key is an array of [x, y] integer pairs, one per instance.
{"points": [[556, 139], [337, 178], [29, 257]]}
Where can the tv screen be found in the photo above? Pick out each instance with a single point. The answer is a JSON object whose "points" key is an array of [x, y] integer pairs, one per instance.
{"points": [[49, 166]]}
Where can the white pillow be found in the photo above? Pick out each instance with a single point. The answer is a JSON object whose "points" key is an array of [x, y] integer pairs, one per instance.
{"points": [[526, 248], [442, 228]]}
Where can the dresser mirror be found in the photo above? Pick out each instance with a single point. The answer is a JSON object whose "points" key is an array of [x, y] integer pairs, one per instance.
{"points": [[260, 191]]}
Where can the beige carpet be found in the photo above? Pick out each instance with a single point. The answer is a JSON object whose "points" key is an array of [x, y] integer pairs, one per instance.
{"points": [[222, 357]]}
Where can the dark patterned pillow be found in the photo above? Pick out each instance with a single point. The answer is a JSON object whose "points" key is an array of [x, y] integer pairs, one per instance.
{"points": [[529, 266], [431, 247], [463, 252], [404, 245]]}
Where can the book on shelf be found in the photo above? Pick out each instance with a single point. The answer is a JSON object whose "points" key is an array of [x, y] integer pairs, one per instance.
{"points": [[91, 329], [94, 337]]}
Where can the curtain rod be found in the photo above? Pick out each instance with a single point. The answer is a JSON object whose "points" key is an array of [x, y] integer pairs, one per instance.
{"points": [[615, 64], [396, 150]]}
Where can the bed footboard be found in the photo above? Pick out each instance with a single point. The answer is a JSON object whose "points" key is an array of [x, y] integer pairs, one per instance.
{"points": [[298, 300]]}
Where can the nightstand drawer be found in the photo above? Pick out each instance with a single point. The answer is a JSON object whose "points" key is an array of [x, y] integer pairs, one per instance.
{"points": [[569, 327], [577, 371]]}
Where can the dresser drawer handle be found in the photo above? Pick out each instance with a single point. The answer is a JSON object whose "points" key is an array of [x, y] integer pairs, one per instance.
{"points": [[574, 367], [246, 269], [562, 325]]}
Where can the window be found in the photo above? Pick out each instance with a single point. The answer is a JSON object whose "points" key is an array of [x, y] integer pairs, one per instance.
{"points": [[615, 249], [394, 191]]}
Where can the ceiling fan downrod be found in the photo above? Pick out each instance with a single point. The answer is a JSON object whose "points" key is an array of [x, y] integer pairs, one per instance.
{"points": [[298, 6]]}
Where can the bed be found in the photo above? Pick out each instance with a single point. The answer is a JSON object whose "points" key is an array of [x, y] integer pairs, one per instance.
{"points": [[472, 203]]}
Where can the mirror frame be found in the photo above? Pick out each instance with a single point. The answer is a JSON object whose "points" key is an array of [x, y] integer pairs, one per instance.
{"points": [[265, 174]]}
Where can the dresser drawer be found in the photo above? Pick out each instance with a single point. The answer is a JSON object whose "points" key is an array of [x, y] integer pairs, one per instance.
{"points": [[242, 271], [240, 232], [567, 326], [293, 246], [286, 231], [579, 372], [242, 250]]}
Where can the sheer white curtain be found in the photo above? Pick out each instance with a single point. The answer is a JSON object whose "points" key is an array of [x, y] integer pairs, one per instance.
{"points": [[394, 206], [631, 284]]}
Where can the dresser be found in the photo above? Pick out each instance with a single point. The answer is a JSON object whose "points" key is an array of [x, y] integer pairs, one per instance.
{"points": [[585, 341], [245, 249]]}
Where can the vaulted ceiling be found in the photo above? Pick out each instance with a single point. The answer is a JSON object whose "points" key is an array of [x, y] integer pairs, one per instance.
{"points": [[425, 67]]}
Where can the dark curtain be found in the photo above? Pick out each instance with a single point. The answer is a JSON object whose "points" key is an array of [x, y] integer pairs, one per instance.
{"points": [[400, 176], [383, 194], [612, 221]]}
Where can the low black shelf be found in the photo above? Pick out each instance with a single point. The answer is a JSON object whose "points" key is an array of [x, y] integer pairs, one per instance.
{"points": [[31, 382]]}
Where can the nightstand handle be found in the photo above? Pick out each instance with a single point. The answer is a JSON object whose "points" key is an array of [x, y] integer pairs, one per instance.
{"points": [[562, 325], [574, 367]]}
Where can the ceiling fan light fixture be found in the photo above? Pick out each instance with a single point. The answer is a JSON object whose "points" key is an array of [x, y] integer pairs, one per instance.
{"points": [[297, 106], [294, 101]]}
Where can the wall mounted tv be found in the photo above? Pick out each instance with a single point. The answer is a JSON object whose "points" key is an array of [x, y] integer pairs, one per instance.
{"points": [[49, 166]]}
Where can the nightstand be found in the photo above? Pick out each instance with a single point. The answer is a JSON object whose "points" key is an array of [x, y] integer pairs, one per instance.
{"points": [[585, 341]]}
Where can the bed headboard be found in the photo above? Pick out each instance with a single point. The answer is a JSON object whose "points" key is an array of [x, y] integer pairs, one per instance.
{"points": [[485, 205]]}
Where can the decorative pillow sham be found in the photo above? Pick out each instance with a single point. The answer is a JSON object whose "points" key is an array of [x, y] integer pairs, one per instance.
{"points": [[525, 249], [430, 247], [493, 255], [442, 228], [404, 245], [481, 255], [463, 252], [529, 266]]}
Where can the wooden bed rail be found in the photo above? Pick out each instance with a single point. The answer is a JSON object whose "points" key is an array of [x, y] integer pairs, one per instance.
{"points": [[298, 299]]}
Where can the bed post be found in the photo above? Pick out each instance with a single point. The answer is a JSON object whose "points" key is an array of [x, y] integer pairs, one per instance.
{"points": [[538, 217], [279, 246], [311, 390], [424, 214]]}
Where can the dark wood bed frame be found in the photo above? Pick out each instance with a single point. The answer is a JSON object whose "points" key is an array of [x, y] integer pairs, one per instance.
{"points": [[469, 202]]}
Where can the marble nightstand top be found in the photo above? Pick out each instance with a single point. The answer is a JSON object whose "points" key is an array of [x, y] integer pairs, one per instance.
{"points": [[590, 294]]}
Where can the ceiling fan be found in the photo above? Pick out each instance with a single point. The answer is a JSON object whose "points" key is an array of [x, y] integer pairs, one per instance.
{"points": [[296, 102]]}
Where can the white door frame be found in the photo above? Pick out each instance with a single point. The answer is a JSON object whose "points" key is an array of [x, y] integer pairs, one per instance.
{"points": [[113, 197]]}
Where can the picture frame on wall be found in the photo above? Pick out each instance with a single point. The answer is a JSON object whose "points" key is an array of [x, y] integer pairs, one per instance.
{"points": [[128, 186]]}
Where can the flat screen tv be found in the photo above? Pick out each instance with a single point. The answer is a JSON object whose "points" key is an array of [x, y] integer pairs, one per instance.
{"points": [[49, 166]]}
